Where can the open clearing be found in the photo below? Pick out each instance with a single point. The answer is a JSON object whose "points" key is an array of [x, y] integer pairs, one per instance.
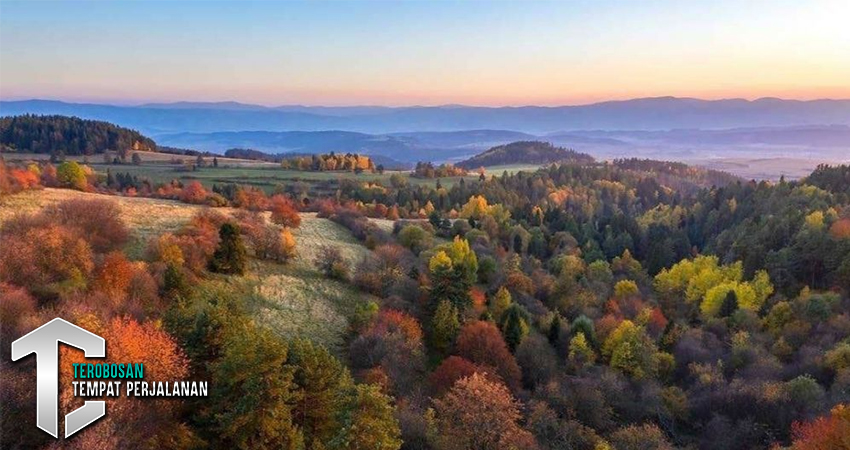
{"points": [[268, 176], [293, 299]]}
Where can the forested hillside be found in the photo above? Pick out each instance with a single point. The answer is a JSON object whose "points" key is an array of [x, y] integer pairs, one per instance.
{"points": [[68, 135], [525, 152], [628, 305]]}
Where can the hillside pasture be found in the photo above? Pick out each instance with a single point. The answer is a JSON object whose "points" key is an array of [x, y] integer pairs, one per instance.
{"points": [[292, 299]]}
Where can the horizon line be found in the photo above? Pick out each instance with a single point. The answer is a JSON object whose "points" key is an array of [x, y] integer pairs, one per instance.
{"points": [[154, 104]]}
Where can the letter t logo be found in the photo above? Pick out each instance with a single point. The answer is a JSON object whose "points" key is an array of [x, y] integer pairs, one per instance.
{"points": [[44, 342]]}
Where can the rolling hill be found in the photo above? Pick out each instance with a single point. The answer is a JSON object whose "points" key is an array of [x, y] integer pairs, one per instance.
{"points": [[68, 135], [525, 152]]}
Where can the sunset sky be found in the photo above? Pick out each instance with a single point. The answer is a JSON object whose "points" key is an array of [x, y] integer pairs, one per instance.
{"points": [[423, 53]]}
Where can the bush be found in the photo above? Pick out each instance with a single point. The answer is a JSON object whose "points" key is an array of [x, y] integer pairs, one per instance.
{"points": [[97, 221], [331, 263], [284, 212]]}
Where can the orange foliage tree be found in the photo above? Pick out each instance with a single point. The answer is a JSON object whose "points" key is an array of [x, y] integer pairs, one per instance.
{"points": [[113, 275], [143, 421], [194, 193], [284, 212], [824, 433], [478, 413], [46, 260]]}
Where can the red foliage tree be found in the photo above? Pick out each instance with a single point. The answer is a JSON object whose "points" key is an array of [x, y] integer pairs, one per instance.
{"points": [[16, 304], [98, 221], [194, 193], [452, 369], [390, 321], [23, 179], [481, 343], [284, 212], [46, 260]]}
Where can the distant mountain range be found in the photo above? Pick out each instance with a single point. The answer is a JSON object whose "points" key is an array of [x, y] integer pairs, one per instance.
{"points": [[830, 142], [654, 114], [735, 135]]}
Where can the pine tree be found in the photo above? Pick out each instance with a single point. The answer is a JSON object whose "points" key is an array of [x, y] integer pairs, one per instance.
{"points": [[173, 282], [444, 326], [514, 326], [554, 333], [500, 303], [230, 255], [729, 305]]}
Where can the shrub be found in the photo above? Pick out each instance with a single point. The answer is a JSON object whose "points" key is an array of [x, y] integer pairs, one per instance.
{"points": [[47, 260], [194, 193], [98, 221], [284, 212], [331, 263]]}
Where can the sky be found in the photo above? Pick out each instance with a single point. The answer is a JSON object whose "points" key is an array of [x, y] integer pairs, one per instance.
{"points": [[422, 53]]}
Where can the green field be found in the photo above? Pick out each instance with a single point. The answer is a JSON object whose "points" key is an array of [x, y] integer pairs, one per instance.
{"points": [[164, 167], [266, 178], [510, 169]]}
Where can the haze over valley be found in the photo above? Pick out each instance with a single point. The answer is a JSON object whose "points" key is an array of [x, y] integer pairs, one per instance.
{"points": [[762, 139]]}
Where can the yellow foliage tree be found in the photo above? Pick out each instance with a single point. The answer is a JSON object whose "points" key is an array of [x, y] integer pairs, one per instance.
{"points": [[475, 208]]}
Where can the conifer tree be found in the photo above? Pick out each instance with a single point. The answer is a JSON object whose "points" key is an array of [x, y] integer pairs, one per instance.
{"points": [[230, 255]]}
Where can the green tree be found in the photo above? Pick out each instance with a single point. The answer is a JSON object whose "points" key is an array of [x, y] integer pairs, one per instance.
{"points": [[230, 255], [444, 326], [366, 421], [320, 378], [454, 269], [514, 325], [174, 284], [500, 303], [630, 350], [71, 174], [584, 325], [554, 332], [415, 238], [730, 304], [253, 392]]}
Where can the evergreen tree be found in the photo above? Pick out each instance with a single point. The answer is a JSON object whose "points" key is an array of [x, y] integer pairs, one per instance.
{"points": [[730, 304], [514, 326], [230, 255], [500, 303], [554, 333], [174, 283], [444, 326]]}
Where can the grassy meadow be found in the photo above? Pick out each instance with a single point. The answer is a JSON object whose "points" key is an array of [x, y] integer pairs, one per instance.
{"points": [[164, 167], [293, 299]]}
